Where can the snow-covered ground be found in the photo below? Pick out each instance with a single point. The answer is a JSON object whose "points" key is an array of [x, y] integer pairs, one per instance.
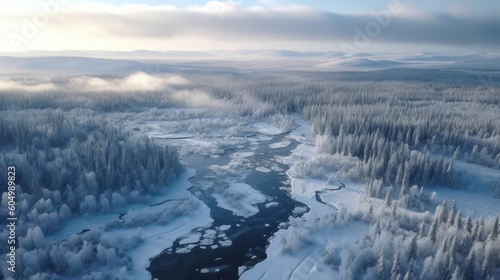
{"points": [[477, 204], [474, 195], [304, 263], [177, 190], [266, 129], [305, 189]]}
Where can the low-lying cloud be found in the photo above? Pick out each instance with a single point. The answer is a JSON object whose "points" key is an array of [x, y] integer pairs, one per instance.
{"points": [[168, 86], [6, 85], [138, 81]]}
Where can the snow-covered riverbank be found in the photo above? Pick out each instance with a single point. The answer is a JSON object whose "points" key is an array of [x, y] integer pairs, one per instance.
{"points": [[304, 261], [154, 237], [157, 237]]}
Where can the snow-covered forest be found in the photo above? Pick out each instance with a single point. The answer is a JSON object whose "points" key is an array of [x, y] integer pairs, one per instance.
{"points": [[395, 135], [74, 163]]}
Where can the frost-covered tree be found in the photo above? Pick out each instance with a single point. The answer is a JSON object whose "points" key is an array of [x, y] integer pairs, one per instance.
{"points": [[443, 214], [434, 230], [395, 266], [381, 267], [388, 197], [412, 249]]}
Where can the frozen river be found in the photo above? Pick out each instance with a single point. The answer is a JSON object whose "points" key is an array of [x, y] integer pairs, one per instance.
{"points": [[238, 238]]}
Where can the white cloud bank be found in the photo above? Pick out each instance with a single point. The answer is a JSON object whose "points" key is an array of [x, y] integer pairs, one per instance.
{"points": [[226, 25]]}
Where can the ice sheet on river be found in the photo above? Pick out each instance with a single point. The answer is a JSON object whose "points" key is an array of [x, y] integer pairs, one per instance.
{"points": [[281, 144], [240, 199]]}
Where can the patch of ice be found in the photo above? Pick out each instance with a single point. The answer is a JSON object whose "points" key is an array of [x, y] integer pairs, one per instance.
{"points": [[240, 199], [206, 242], [239, 155], [241, 269], [281, 144], [193, 238], [225, 243], [210, 231], [299, 210], [263, 169], [208, 236], [276, 168], [182, 251], [272, 204], [225, 227]]}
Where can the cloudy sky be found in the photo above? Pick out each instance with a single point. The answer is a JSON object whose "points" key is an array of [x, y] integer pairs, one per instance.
{"points": [[302, 25]]}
